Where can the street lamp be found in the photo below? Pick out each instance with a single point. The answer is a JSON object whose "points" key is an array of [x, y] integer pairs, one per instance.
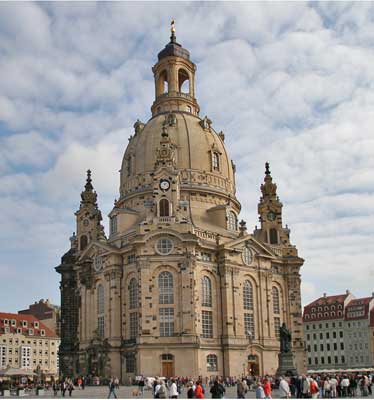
{"points": [[250, 339]]}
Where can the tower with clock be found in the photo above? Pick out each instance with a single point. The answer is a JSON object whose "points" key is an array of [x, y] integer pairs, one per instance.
{"points": [[178, 287]]}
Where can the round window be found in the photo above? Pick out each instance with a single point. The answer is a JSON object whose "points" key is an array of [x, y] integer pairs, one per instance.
{"points": [[164, 246], [247, 256]]}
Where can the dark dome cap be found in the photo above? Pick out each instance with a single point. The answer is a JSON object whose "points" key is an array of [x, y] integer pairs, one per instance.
{"points": [[173, 49]]}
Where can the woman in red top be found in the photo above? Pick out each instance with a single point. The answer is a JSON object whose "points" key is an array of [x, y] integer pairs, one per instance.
{"points": [[199, 391], [267, 388]]}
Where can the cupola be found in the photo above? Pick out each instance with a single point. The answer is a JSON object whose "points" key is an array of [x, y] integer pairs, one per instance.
{"points": [[174, 76]]}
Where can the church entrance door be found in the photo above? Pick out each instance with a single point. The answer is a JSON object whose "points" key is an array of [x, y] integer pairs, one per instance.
{"points": [[253, 365], [167, 369]]}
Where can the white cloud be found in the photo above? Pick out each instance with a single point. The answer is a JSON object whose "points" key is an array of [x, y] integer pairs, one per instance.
{"points": [[288, 83]]}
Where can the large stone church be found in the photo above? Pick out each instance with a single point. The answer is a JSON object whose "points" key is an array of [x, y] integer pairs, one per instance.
{"points": [[178, 287]]}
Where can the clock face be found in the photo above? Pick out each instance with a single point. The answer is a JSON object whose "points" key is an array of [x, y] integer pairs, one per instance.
{"points": [[271, 216], [164, 185]]}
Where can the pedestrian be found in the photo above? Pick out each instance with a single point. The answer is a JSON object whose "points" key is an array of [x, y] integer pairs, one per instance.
{"points": [[217, 390], [112, 388], [284, 388], [199, 390], [141, 384], [326, 388], [55, 388], [162, 392], [63, 387], [314, 389], [267, 387], [173, 390], [70, 387], [241, 389], [190, 390], [260, 394]]}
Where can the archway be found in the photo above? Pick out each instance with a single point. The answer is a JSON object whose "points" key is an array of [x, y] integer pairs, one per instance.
{"points": [[253, 367]]}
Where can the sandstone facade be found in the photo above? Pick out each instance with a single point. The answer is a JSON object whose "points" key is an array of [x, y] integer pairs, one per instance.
{"points": [[178, 287]]}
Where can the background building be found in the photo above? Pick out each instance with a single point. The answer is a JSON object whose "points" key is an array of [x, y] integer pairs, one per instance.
{"points": [[46, 312], [25, 342], [358, 327], [179, 287], [338, 331]]}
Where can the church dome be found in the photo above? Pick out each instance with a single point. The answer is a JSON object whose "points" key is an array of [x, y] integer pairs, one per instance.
{"points": [[200, 154]]}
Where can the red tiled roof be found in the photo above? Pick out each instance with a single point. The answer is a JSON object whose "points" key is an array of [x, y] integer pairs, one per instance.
{"points": [[330, 312], [25, 331], [358, 308]]}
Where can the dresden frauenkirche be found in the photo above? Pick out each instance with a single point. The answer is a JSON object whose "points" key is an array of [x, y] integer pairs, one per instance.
{"points": [[178, 287]]}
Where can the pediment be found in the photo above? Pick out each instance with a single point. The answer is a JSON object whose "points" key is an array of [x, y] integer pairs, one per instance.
{"points": [[96, 247], [255, 245]]}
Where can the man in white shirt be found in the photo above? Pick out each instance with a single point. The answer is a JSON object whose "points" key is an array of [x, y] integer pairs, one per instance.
{"points": [[284, 389], [173, 390]]}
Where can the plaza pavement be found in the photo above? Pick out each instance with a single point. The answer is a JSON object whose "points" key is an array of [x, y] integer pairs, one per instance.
{"points": [[126, 392]]}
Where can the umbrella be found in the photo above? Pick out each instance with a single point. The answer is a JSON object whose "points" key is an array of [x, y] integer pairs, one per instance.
{"points": [[15, 372]]}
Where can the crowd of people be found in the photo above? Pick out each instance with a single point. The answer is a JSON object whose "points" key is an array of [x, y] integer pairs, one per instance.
{"points": [[313, 386]]}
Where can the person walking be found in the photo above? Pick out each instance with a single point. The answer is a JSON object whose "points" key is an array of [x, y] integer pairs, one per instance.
{"points": [[241, 389], [141, 385], [173, 391], [112, 389], [70, 387], [314, 389], [199, 391], [217, 390], [267, 387], [260, 394], [284, 389], [162, 392]]}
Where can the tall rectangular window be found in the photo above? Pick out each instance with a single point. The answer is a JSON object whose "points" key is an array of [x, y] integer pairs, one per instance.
{"points": [[100, 326], [134, 325], [249, 326], [25, 357], [166, 322], [207, 324], [3, 362], [113, 224], [130, 363], [277, 324]]}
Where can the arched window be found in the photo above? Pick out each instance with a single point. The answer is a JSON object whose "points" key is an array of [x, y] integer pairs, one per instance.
{"points": [[165, 287], [273, 236], [211, 362], [100, 310], [183, 81], [215, 161], [231, 221], [206, 285], [248, 296], [133, 294], [276, 306], [164, 208], [162, 83], [83, 242]]}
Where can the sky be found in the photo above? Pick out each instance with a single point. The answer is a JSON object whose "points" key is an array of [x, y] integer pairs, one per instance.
{"points": [[289, 83]]}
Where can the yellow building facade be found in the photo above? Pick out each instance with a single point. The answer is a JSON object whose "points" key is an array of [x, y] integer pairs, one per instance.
{"points": [[26, 343], [178, 288]]}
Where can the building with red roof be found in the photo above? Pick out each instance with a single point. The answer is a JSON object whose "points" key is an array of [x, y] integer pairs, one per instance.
{"points": [[323, 321], [339, 332], [27, 343], [358, 332]]}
